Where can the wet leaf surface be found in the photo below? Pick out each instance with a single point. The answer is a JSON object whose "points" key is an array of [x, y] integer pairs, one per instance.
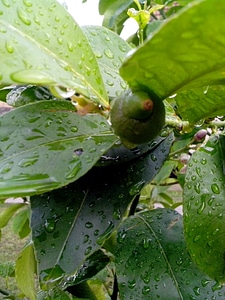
{"points": [[152, 261], [110, 51], [42, 44], [72, 223], [193, 60], [46, 145], [204, 208]]}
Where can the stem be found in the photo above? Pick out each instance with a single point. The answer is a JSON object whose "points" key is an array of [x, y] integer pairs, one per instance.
{"points": [[182, 149], [138, 4], [141, 36]]}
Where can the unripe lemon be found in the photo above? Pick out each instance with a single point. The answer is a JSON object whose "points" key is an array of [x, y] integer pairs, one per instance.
{"points": [[136, 118]]}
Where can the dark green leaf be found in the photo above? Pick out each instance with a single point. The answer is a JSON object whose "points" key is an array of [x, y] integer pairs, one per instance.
{"points": [[204, 208], [70, 224], [46, 145], [152, 261], [194, 58], [110, 51], [42, 44]]}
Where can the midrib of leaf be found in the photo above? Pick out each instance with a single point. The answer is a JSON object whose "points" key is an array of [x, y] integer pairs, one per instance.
{"points": [[164, 255], [52, 54], [71, 229]]}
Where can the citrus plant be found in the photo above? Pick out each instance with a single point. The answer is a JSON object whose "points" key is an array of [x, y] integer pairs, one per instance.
{"points": [[99, 132]]}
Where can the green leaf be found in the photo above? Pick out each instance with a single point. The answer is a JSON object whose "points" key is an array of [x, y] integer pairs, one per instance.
{"points": [[7, 269], [110, 51], [193, 59], [42, 44], [210, 103], [70, 224], [45, 145], [152, 261], [25, 269], [115, 13], [21, 223], [8, 213], [204, 208]]}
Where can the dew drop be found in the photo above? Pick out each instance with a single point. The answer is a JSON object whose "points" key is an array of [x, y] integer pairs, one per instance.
{"points": [[89, 225], [132, 284], [70, 46], [146, 289], [9, 48], [98, 54], [6, 3], [88, 250], [197, 188], [86, 238], [49, 225], [28, 3], [6, 168], [215, 188], [26, 162], [109, 53], [201, 208], [23, 16], [203, 161], [32, 76], [196, 238]]}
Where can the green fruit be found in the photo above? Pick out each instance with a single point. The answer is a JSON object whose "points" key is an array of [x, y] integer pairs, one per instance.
{"points": [[136, 118]]}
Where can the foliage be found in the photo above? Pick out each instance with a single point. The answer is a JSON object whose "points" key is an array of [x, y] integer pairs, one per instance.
{"points": [[88, 218]]}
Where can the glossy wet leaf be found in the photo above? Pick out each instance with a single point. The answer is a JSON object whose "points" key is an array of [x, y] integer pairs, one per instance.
{"points": [[42, 44], [193, 60], [46, 145], [25, 269], [110, 51], [115, 13], [152, 261], [204, 208], [70, 224]]}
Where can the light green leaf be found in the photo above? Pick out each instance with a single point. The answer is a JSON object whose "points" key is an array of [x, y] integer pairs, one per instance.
{"points": [[187, 52], [25, 269], [21, 223], [204, 208], [152, 261], [45, 145], [110, 51], [7, 213], [42, 44]]}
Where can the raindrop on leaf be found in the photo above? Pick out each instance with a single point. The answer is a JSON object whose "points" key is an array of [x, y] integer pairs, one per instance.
{"points": [[23, 16]]}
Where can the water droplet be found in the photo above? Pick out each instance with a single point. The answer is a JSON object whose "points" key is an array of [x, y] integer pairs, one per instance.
{"points": [[86, 238], [6, 3], [60, 40], [197, 188], [203, 161], [32, 76], [28, 3], [146, 243], [110, 83], [215, 231], [146, 289], [179, 261], [6, 168], [132, 284], [70, 46], [88, 250], [196, 290], [196, 238], [23, 16], [26, 162], [109, 53], [201, 208], [9, 47], [89, 225], [215, 188], [49, 225], [98, 54]]}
